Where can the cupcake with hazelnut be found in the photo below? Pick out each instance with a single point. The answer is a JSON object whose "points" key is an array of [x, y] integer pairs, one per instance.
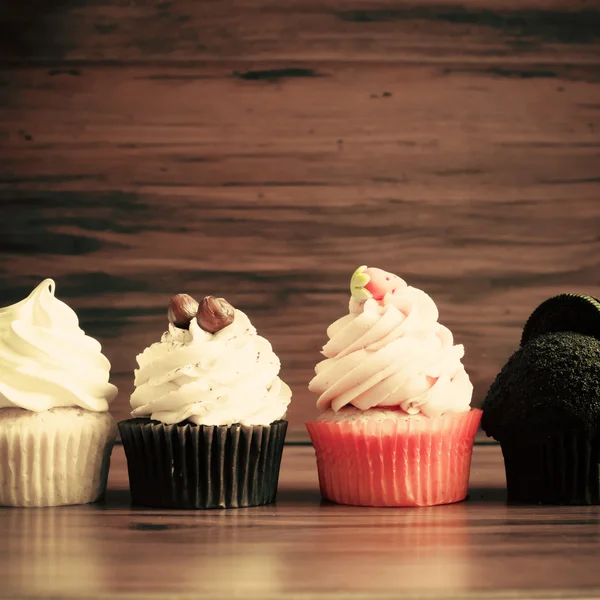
{"points": [[396, 426], [56, 434], [209, 408]]}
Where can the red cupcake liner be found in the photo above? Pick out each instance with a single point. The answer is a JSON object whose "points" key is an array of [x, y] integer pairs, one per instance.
{"points": [[409, 462]]}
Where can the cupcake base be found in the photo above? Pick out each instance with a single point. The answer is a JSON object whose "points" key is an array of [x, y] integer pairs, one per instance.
{"points": [[198, 466], [53, 458], [400, 462], [563, 470]]}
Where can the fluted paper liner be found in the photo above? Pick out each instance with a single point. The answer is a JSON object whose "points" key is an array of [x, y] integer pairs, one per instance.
{"points": [[563, 469], [199, 466], [54, 458], [407, 462]]}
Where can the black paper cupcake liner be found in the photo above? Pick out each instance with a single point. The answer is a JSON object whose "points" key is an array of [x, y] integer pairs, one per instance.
{"points": [[563, 469], [198, 466]]}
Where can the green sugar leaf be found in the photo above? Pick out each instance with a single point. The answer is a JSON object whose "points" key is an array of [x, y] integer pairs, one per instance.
{"points": [[357, 284]]}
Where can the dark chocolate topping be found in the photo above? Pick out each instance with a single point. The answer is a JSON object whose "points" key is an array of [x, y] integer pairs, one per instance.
{"points": [[550, 385], [566, 312]]}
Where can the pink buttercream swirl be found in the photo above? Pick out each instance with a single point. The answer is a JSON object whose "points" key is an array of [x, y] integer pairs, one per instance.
{"points": [[393, 353]]}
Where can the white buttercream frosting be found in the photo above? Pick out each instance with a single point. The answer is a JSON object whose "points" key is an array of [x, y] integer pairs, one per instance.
{"points": [[46, 360], [392, 353], [227, 377]]}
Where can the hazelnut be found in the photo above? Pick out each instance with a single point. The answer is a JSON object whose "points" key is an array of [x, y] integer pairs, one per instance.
{"points": [[182, 309], [215, 314]]}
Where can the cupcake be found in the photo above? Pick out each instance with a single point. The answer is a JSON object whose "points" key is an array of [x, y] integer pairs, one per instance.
{"points": [[56, 434], [396, 427], [544, 406], [208, 407]]}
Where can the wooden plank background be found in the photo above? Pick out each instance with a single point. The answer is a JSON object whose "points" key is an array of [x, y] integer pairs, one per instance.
{"points": [[262, 149]]}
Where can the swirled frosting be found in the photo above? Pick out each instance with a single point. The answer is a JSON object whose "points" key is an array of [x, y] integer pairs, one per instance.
{"points": [[392, 353], [46, 360], [227, 377]]}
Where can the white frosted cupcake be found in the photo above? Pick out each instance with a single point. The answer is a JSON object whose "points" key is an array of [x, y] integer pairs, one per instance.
{"points": [[208, 407], [56, 434]]}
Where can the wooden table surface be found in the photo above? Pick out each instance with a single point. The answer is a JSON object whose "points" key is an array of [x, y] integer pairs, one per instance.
{"points": [[304, 548]]}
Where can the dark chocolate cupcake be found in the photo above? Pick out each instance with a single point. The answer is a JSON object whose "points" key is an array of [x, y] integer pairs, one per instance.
{"points": [[208, 428], [544, 406]]}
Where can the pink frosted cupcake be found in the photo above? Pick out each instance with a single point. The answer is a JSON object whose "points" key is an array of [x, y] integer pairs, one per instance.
{"points": [[396, 426]]}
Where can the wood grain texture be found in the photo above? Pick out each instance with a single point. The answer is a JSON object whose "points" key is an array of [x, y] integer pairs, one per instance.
{"points": [[125, 30], [304, 548], [261, 151]]}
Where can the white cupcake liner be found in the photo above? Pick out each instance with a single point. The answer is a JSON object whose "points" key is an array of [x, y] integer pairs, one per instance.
{"points": [[54, 458]]}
